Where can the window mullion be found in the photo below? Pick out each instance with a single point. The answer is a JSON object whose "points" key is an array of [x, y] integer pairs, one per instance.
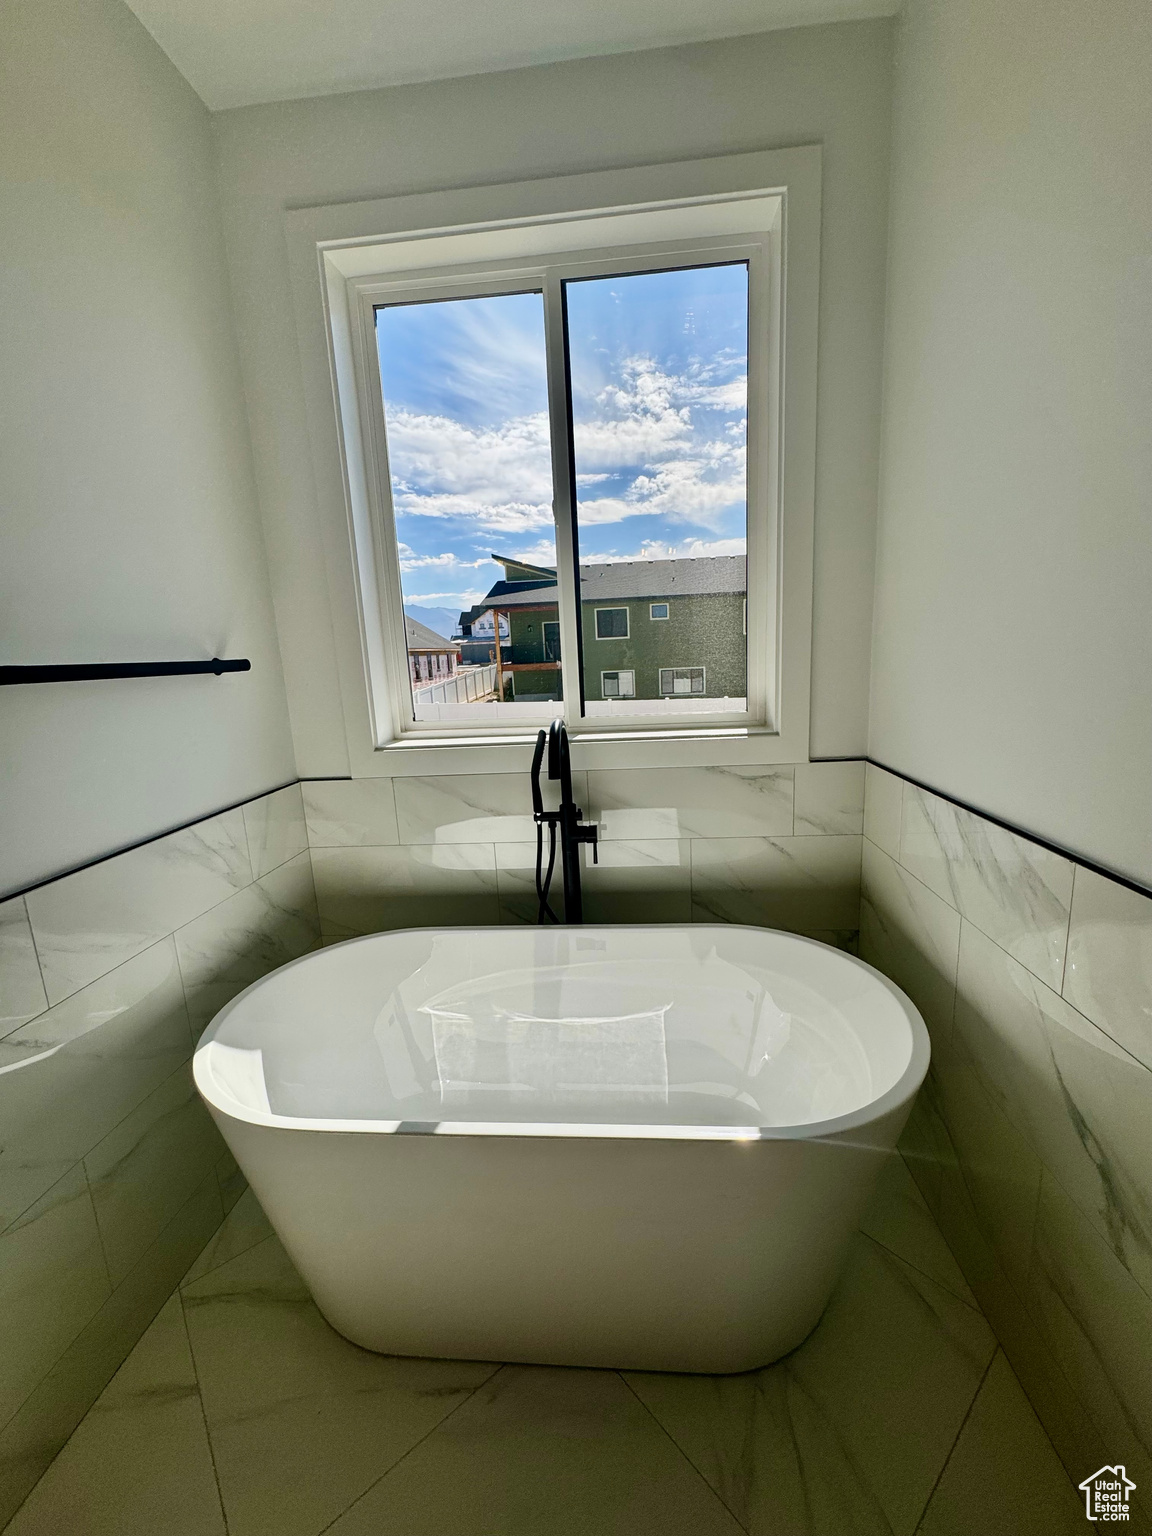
{"points": [[564, 496]]}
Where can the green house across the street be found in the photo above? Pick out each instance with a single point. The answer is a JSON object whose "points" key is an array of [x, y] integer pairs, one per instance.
{"points": [[651, 629]]}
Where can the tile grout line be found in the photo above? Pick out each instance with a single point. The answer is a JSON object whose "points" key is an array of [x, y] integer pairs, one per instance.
{"points": [[203, 1412], [1067, 936], [952, 1448], [973, 1305], [23, 900], [390, 1469], [680, 1450]]}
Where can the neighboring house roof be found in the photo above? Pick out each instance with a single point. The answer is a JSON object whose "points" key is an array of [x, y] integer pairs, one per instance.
{"points": [[523, 570], [662, 578], [421, 638], [621, 579]]}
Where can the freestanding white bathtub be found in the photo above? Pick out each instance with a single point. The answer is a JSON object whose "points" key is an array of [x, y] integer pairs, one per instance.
{"points": [[641, 1147]]}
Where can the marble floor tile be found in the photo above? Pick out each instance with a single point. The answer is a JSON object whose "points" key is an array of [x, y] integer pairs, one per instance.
{"points": [[883, 808], [349, 813], [30, 1440], [539, 1449], [898, 1219], [671, 803], [1031, 1356], [1003, 1473], [71, 1075], [22, 994], [88, 923], [893, 1367], [1013, 890], [244, 1226], [52, 1281], [829, 798], [275, 828], [1099, 1324], [798, 883], [1084, 1104], [230, 1179], [271, 922], [301, 1421], [139, 1464], [1109, 972], [766, 1449], [369, 890], [911, 935], [148, 1166]]}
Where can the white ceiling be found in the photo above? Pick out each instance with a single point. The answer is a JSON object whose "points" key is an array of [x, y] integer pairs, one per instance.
{"points": [[236, 52]]}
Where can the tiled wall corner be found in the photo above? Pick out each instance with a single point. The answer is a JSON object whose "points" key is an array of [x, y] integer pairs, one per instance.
{"points": [[112, 1175], [1030, 1139], [778, 846]]}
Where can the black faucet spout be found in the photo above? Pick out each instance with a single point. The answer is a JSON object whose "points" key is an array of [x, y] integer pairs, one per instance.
{"points": [[573, 831]]}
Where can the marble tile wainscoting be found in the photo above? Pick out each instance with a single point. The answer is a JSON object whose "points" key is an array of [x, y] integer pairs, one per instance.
{"points": [[778, 847], [1032, 1138], [112, 1175]]}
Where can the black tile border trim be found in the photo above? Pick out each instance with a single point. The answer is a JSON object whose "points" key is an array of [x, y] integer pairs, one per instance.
{"points": [[143, 842], [1008, 826]]}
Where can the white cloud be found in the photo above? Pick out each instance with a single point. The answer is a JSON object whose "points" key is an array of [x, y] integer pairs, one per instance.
{"points": [[411, 561], [496, 478], [638, 429], [423, 599]]}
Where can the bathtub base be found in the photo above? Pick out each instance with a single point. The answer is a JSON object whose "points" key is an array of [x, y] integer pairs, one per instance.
{"points": [[688, 1256]]}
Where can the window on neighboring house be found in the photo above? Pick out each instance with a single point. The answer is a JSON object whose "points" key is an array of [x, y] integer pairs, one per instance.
{"points": [[611, 623], [681, 680], [618, 685], [660, 610]]}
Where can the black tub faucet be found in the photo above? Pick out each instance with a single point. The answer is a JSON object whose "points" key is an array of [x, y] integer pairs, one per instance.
{"points": [[573, 831]]}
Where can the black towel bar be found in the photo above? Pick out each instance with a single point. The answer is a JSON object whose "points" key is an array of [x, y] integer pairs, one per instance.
{"points": [[88, 672]]}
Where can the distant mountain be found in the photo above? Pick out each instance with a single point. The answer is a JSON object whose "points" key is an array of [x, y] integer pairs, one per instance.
{"points": [[442, 620]]}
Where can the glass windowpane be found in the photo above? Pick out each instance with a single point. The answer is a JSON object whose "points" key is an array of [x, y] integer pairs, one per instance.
{"points": [[658, 365], [465, 390]]}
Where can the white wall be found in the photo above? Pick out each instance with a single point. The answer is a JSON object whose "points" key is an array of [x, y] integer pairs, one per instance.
{"points": [[816, 84], [129, 526], [1013, 645]]}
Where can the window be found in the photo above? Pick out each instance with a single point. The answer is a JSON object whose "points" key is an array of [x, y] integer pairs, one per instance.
{"points": [[660, 295], [680, 680], [639, 381], [611, 623], [617, 685]]}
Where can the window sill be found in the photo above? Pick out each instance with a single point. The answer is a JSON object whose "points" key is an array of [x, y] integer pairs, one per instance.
{"points": [[681, 747]]}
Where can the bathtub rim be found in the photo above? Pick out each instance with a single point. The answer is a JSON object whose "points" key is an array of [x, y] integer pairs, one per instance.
{"points": [[901, 1092]]}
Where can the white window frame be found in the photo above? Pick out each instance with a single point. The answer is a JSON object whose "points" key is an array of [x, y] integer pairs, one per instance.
{"points": [[615, 608], [691, 692], [618, 672], [659, 618], [334, 251]]}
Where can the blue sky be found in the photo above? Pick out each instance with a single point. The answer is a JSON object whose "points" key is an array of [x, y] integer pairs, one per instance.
{"points": [[659, 364]]}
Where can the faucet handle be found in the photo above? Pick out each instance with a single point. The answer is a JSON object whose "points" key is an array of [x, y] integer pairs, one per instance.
{"points": [[588, 832]]}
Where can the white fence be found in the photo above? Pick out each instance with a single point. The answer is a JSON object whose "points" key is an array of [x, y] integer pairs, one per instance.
{"points": [[467, 686]]}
